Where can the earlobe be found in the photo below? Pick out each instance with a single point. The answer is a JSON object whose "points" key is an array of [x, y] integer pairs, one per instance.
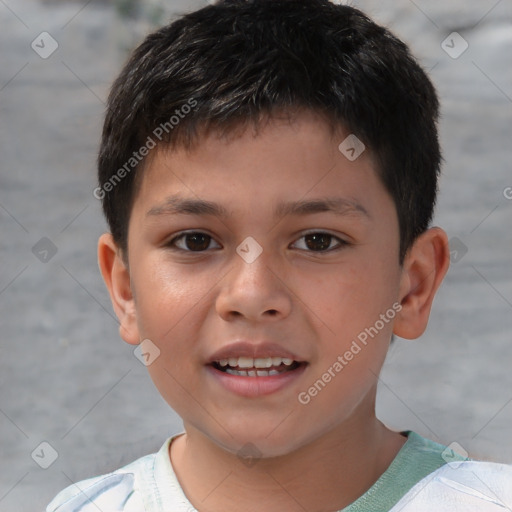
{"points": [[117, 279], [424, 268]]}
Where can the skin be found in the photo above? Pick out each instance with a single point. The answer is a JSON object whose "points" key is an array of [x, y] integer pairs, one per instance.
{"points": [[320, 456]]}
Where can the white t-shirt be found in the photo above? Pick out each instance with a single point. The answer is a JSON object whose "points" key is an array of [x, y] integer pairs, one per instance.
{"points": [[424, 477]]}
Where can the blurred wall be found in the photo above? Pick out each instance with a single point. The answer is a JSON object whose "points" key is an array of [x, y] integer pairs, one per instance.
{"points": [[66, 377]]}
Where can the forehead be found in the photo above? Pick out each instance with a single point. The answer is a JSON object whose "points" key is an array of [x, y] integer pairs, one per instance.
{"points": [[279, 167]]}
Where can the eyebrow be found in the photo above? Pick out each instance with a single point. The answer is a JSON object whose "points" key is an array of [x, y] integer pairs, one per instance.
{"points": [[337, 205], [175, 205]]}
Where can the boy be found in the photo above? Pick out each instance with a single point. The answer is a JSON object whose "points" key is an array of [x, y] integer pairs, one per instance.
{"points": [[268, 170]]}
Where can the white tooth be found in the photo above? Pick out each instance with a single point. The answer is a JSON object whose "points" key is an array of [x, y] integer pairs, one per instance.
{"points": [[236, 372], [276, 361], [223, 362], [251, 373], [287, 361], [263, 362], [245, 362], [262, 373], [273, 372], [233, 361]]}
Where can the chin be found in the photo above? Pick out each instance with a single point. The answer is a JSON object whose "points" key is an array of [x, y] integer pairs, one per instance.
{"points": [[251, 442]]}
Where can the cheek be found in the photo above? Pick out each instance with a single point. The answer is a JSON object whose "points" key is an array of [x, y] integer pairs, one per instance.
{"points": [[172, 375], [170, 305], [347, 296], [167, 297], [373, 279], [348, 305]]}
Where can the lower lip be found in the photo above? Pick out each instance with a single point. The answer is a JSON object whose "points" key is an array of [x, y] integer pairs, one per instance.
{"points": [[256, 386]]}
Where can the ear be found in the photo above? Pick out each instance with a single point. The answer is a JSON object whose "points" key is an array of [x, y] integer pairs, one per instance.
{"points": [[117, 278], [424, 267]]}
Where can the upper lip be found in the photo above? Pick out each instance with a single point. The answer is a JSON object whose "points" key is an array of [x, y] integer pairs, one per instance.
{"points": [[254, 350]]}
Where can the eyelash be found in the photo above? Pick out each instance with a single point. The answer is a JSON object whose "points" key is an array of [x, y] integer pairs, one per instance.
{"points": [[181, 236]]}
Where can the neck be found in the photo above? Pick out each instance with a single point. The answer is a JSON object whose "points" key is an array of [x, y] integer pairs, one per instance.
{"points": [[324, 475]]}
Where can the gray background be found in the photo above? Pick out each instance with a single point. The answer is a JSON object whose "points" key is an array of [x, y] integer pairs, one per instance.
{"points": [[66, 377]]}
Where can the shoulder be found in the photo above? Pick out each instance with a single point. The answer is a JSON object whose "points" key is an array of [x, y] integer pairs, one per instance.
{"points": [[467, 486], [113, 491]]}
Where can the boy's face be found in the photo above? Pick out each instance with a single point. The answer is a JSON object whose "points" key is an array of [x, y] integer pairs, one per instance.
{"points": [[328, 270]]}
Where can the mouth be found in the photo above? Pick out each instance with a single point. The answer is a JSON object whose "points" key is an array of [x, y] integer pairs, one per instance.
{"points": [[257, 367], [253, 370]]}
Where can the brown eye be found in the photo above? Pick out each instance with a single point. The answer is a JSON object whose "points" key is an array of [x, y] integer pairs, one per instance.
{"points": [[193, 242], [197, 241], [319, 242]]}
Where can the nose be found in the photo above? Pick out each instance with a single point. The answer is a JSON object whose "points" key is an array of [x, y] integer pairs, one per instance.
{"points": [[253, 291]]}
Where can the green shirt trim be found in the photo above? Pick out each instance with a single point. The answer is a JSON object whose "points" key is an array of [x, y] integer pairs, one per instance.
{"points": [[417, 458]]}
